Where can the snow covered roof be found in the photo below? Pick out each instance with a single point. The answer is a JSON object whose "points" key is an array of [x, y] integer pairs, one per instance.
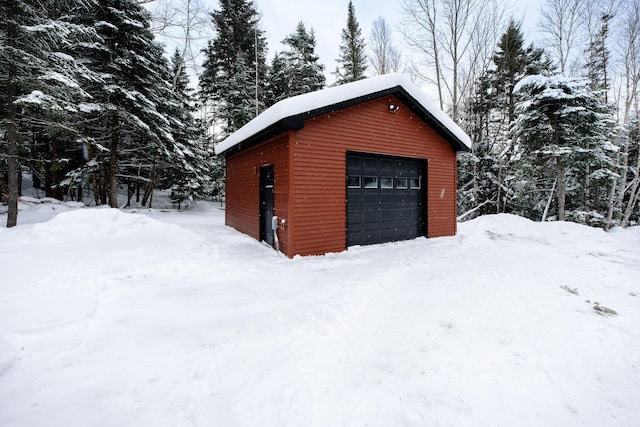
{"points": [[291, 113]]}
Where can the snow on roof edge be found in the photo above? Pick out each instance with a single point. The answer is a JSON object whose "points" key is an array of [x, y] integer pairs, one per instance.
{"points": [[333, 95]]}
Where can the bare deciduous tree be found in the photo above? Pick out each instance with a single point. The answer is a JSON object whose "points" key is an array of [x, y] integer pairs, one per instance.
{"points": [[491, 21], [562, 24], [385, 56], [630, 47], [452, 39], [180, 23]]}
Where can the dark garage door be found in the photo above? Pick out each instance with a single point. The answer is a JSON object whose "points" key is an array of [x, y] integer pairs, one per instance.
{"points": [[385, 198]]}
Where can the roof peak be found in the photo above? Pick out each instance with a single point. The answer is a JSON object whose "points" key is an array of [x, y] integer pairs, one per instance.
{"points": [[318, 101]]}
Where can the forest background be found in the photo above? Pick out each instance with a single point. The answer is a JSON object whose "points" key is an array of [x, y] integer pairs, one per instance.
{"points": [[97, 96]]}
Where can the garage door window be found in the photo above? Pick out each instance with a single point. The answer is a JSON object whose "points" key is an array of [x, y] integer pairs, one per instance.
{"points": [[370, 182], [402, 183], [354, 182], [386, 182], [415, 183]]}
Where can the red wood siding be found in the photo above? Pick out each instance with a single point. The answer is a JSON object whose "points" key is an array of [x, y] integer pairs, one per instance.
{"points": [[318, 186], [243, 187], [311, 195]]}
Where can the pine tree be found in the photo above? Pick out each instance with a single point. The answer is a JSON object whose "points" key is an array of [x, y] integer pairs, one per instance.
{"points": [[485, 174], [39, 84], [479, 172], [296, 70], [131, 105], [598, 59], [235, 71], [188, 174], [239, 92], [512, 62], [353, 57], [279, 86], [562, 130]]}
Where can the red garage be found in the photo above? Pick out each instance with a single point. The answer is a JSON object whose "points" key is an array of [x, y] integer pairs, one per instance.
{"points": [[367, 162]]}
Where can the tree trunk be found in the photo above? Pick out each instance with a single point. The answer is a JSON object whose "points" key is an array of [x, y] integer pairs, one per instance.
{"points": [[151, 197], [562, 189], [130, 190], [94, 178], [499, 191], [96, 191], [617, 190], [475, 175], [12, 129], [148, 192], [622, 183], [54, 170], [12, 160], [138, 184], [611, 198], [586, 194], [634, 197], [113, 162], [102, 184], [546, 208]]}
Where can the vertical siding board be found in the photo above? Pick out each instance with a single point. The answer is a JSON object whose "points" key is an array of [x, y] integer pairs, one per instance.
{"points": [[290, 228], [319, 166]]}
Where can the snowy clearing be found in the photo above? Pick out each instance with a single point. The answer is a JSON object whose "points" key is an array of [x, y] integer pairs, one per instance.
{"points": [[165, 318]]}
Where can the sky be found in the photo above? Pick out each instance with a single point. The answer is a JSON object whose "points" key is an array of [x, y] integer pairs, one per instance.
{"points": [[328, 17]]}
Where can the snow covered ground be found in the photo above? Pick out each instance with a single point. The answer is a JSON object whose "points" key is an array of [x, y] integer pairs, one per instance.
{"points": [[164, 318]]}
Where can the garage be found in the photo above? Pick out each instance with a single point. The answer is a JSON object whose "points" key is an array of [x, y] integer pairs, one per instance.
{"points": [[385, 198], [366, 162]]}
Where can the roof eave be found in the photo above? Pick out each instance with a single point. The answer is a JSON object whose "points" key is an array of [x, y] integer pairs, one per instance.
{"points": [[278, 128]]}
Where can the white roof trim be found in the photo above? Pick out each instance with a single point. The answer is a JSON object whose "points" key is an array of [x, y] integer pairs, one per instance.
{"points": [[333, 95]]}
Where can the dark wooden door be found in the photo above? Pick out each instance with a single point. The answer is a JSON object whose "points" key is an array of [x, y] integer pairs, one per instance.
{"points": [[266, 203], [385, 198]]}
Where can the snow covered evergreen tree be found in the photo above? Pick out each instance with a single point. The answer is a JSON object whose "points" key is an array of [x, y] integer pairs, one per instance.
{"points": [[188, 176], [132, 105], [353, 57], [598, 59], [484, 174], [296, 70], [279, 86], [39, 87], [562, 131], [234, 78], [512, 62], [240, 96]]}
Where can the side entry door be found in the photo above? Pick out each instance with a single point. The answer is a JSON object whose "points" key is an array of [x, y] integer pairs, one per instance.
{"points": [[266, 203]]}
